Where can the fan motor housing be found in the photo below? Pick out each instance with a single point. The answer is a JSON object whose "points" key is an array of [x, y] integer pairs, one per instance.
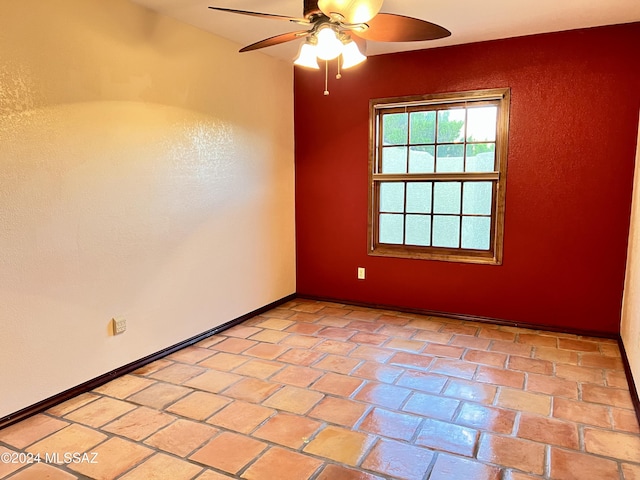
{"points": [[311, 8]]}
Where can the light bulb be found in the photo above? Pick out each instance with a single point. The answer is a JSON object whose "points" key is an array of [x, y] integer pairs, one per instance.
{"points": [[329, 47], [307, 57], [351, 55], [362, 12]]}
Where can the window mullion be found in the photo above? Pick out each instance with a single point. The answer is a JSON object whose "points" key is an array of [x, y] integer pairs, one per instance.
{"points": [[404, 215], [438, 177], [462, 184], [407, 142], [432, 214], [435, 148]]}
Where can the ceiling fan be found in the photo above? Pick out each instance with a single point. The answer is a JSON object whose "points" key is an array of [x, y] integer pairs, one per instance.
{"points": [[340, 28]]}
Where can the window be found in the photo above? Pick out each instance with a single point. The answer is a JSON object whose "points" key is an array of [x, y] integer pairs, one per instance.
{"points": [[437, 176]]}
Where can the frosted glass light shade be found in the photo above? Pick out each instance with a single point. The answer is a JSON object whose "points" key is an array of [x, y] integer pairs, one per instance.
{"points": [[353, 11], [351, 55], [307, 57], [328, 47]]}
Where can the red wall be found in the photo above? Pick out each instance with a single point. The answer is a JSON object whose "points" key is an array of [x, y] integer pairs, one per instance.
{"points": [[574, 117]]}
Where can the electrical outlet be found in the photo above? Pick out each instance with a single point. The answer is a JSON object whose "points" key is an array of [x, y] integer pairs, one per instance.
{"points": [[119, 325], [361, 273]]}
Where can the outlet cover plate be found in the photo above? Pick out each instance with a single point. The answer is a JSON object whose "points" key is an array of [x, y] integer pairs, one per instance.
{"points": [[119, 325]]}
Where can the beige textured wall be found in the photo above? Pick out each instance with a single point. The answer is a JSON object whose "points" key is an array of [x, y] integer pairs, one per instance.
{"points": [[146, 171], [630, 326]]}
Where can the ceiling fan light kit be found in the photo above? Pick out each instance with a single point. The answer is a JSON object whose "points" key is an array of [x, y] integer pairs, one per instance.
{"points": [[328, 46], [339, 29], [351, 55], [307, 56]]}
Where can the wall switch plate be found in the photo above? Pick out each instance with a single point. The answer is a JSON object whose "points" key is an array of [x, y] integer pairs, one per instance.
{"points": [[361, 273], [119, 325]]}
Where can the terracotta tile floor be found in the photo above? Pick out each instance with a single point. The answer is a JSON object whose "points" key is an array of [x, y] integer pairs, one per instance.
{"points": [[313, 390]]}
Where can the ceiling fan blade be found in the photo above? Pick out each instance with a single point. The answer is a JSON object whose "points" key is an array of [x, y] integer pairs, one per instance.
{"points": [[262, 15], [360, 42], [268, 42], [389, 27], [353, 11]]}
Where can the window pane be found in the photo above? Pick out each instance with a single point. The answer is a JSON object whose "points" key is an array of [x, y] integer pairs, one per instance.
{"points": [[391, 228], [481, 157], [395, 128], [446, 231], [421, 159], [419, 197], [450, 158], [392, 197], [476, 232], [418, 230], [481, 124], [446, 197], [394, 160], [423, 127], [451, 125], [476, 198]]}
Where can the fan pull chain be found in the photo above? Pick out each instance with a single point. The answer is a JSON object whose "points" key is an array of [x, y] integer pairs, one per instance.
{"points": [[338, 75], [326, 77]]}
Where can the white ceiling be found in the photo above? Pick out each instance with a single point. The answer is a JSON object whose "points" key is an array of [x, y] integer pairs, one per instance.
{"points": [[468, 20]]}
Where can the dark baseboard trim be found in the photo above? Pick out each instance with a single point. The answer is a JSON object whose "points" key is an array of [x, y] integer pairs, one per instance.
{"points": [[635, 398], [468, 318], [107, 377]]}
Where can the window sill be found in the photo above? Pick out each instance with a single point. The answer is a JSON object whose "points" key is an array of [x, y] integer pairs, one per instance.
{"points": [[438, 254]]}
